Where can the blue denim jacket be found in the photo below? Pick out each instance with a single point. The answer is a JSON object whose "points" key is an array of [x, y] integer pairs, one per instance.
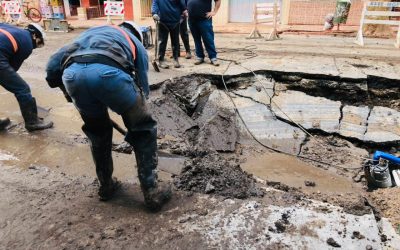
{"points": [[170, 11], [106, 41], [25, 46]]}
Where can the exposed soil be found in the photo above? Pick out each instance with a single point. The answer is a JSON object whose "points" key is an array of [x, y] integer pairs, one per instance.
{"points": [[213, 174]]}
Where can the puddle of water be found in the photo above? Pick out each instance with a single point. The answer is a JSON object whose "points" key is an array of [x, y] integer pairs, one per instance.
{"points": [[293, 172]]}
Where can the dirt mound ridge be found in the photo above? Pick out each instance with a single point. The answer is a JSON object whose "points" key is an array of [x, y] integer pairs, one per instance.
{"points": [[211, 173]]}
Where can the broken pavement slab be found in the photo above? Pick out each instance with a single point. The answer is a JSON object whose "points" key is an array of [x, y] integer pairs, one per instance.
{"points": [[266, 128], [171, 119], [354, 121], [261, 90], [308, 111], [383, 125], [253, 225]]}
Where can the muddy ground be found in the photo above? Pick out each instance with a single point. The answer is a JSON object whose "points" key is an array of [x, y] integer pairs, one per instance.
{"points": [[48, 197]]}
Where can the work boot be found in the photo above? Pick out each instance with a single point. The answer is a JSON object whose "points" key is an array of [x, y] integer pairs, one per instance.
{"points": [[215, 62], [156, 197], [107, 190], [188, 55], [199, 61], [99, 131], [4, 122], [30, 114], [163, 64], [176, 63]]}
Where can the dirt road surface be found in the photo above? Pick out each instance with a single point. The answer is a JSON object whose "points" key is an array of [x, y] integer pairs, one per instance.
{"points": [[48, 188]]}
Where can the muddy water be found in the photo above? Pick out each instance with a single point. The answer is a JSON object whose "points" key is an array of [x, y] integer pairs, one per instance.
{"points": [[293, 172]]}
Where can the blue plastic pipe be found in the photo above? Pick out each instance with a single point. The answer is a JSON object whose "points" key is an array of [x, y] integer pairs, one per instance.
{"points": [[386, 156]]}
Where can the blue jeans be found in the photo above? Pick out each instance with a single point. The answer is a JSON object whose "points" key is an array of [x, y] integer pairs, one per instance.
{"points": [[203, 30], [94, 87], [12, 82]]}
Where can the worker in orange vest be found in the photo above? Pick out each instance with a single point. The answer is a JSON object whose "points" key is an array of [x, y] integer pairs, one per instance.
{"points": [[16, 45]]}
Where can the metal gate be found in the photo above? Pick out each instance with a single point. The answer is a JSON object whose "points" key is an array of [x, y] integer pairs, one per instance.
{"points": [[241, 11]]}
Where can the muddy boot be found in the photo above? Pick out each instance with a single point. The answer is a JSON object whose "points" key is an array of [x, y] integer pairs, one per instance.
{"points": [[4, 122], [199, 61], [176, 63], [157, 196], [163, 64], [107, 190], [99, 131], [30, 114]]}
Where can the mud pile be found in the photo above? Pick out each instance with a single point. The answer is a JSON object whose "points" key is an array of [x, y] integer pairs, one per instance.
{"points": [[213, 174]]}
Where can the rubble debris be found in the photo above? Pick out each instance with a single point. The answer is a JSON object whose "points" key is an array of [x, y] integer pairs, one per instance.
{"points": [[332, 242], [354, 121], [212, 173], [309, 183], [357, 235], [283, 223]]}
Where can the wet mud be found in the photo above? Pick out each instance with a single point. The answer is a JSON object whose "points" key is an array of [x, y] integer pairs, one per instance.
{"points": [[211, 174]]}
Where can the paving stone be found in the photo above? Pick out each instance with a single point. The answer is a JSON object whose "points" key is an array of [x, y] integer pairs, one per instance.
{"points": [[309, 111], [267, 129], [383, 125], [262, 90], [354, 121]]}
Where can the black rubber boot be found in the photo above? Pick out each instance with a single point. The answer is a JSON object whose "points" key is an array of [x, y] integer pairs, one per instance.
{"points": [[4, 122], [142, 135], [155, 197], [99, 131], [30, 114]]}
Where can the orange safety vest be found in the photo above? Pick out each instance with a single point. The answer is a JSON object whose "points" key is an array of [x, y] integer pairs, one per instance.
{"points": [[11, 38], [133, 48]]}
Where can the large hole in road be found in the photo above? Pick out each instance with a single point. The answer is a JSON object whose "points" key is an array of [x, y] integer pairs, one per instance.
{"points": [[327, 120]]}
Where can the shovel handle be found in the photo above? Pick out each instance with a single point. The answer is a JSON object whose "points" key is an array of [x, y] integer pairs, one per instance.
{"points": [[118, 127]]}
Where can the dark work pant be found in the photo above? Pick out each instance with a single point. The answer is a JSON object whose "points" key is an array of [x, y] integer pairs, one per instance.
{"points": [[185, 34], [12, 82], [163, 31], [94, 88], [203, 30]]}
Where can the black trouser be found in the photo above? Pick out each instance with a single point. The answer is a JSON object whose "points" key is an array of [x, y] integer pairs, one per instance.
{"points": [[142, 135], [163, 31], [185, 34], [13, 82]]}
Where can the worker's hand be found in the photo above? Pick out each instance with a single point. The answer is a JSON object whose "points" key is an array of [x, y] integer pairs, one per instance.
{"points": [[185, 13], [156, 17], [210, 14]]}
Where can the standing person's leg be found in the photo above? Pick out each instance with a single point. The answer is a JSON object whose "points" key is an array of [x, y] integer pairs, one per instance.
{"points": [[12, 82], [78, 79], [174, 32], [163, 32], [142, 135], [185, 37], [196, 33], [207, 33]]}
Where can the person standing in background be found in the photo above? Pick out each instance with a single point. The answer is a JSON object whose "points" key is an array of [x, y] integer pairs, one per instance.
{"points": [[185, 36], [167, 14], [200, 23]]}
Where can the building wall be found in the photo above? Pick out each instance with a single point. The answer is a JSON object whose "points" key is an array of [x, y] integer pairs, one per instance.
{"points": [[310, 12]]}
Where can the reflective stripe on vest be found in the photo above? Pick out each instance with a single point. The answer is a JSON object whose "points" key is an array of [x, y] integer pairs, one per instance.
{"points": [[11, 38], [133, 48]]}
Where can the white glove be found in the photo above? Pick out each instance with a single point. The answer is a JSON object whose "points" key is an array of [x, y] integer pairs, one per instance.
{"points": [[156, 17]]}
